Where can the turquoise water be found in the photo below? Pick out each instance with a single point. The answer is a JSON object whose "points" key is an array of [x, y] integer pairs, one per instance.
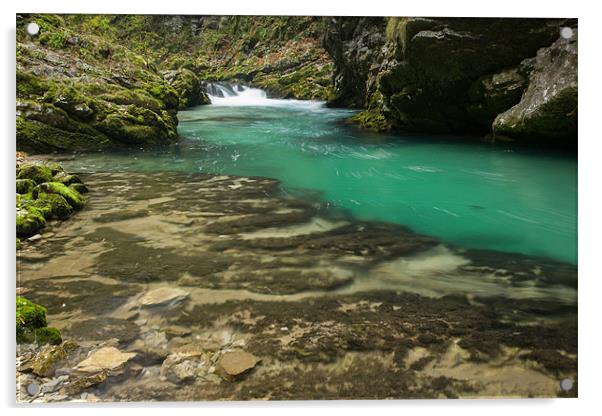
{"points": [[466, 193]]}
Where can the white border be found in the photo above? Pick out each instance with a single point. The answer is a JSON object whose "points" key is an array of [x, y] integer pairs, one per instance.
{"points": [[590, 209]]}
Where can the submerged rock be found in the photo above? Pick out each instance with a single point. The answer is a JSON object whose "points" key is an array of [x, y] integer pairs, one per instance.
{"points": [[162, 296], [234, 364], [105, 359], [49, 358]]}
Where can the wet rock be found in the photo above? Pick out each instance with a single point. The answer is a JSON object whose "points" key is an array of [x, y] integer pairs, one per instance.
{"points": [[174, 331], [104, 359], [548, 108], [66, 179], [30, 221], [152, 346], [103, 329], [49, 358], [188, 87], [81, 383], [163, 296], [29, 314], [234, 364], [187, 363], [181, 368]]}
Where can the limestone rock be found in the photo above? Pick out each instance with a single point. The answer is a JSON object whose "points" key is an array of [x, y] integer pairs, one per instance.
{"points": [[163, 296], [548, 108], [106, 358], [234, 364]]}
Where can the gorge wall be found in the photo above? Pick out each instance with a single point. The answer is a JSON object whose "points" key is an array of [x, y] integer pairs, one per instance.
{"points": [[515, 78]]}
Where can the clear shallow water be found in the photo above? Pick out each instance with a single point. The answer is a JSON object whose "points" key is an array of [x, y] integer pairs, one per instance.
{"points": [[466, 193]]}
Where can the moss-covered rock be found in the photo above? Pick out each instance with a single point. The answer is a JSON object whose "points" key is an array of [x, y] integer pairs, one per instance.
{"points": [[188, 86], [66, 178], [53, 206], [47, 335], [31, 324], [45, 362], [30, 316], [35, 172], [25, 186], [79, 187], [30, 221], [69, 194]]}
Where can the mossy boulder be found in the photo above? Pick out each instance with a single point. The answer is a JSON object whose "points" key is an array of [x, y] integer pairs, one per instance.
{"points": [[31, 325], [188, 86], [47, 335], [66, 178], [30, 221], [25, 186], [79, 187], [35, 172], [30, 316], [53, 206], [71, 195]]}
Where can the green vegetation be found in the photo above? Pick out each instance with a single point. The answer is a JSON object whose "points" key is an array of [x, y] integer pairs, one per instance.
{"points": [[31, 324], [45, 192], [129, 74]]}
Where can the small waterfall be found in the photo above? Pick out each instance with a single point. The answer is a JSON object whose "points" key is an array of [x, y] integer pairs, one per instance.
{"points": [[221, 93], [237, 95]]}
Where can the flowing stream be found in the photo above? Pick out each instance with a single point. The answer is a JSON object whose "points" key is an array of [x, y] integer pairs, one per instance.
{"points": [[466, 193]]}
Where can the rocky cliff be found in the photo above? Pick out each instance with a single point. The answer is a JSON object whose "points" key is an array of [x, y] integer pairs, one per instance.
{"points": [[516, 78]]}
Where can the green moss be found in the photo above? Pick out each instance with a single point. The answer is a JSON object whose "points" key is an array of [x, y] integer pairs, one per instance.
{"points": [[25, 186], [66, 179], [30, 221], [18, 243], [47, 335], [29, 85], [55, 40], [372, 119], [53, 206], [71, 196], [35, 172], [30, 316], [79, 187]]}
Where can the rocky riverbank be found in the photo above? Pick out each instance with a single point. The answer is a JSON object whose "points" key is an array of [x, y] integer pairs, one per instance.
{"points": [[246, 293]]}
